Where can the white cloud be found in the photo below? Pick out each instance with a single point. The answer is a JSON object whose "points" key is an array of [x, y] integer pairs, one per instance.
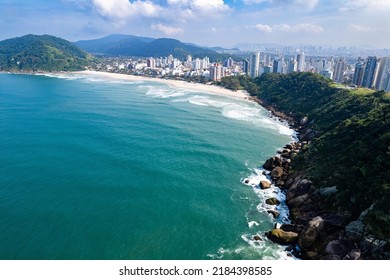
{"points": [[371, 5], [264, 28], [122, 9], [301, 27], [167, 30], [202, 7], [299, 4]]}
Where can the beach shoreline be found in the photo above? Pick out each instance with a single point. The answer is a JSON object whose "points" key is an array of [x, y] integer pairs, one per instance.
{"points": [[211, 89]]}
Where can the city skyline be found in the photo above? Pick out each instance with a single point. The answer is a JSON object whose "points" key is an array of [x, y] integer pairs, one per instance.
{"points": [[209, 23]]}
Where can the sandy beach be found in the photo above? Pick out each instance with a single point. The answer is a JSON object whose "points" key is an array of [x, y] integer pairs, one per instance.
{"points": [[173, 83]]}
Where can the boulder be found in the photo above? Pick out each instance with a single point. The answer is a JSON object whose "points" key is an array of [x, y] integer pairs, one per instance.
{"points": [[354, 231], [272, 201], [328, 191], [311, 232], [268, 165], [274, 213], [289, 146], [303, 121], [277, 172], [257, 238], [354, 254], [297, 201], [265, 185], [292, 227], [333, 221], [278, 161], [282, 237], [338, 247]]}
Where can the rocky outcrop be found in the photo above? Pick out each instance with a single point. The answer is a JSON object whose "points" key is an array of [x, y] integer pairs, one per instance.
{"points": [[265, 185], [282, 237], [272, 201]]}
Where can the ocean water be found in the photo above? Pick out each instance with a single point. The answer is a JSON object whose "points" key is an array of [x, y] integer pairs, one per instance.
{"points": [[92, 168]]}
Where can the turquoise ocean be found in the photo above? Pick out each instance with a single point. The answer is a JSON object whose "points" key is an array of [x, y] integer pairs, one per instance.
{"points": [[93, 168]]}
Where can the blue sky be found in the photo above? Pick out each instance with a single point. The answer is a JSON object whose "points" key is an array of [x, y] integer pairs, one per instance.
{"points": [[205, 22]]}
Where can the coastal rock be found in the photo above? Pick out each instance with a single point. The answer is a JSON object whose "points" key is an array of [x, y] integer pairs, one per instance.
{"points": [[354, 254], [278, 161], [257, 238], [354, 231], [297, 201], [303, 121], [289, 146], [282, 237], [272, 201], [280, 183], [268, 165], [338, 247], [311, 232], [328, 191], [300, 188], [333, 221], [265, 185], [292, 227], [274, 213], [277, 172]]}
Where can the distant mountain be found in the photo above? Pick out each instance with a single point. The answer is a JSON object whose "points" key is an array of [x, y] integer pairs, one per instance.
{"points": [[115, 42], [129, 45], [41, 52]]}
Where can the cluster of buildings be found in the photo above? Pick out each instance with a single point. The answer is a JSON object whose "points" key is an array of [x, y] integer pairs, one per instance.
{"points": [[170, 66], [372, 72]]}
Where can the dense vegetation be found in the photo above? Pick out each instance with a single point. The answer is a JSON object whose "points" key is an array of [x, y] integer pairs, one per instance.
{"points": [[41, 53], [352, 147], [239, 83], [128, 45]]}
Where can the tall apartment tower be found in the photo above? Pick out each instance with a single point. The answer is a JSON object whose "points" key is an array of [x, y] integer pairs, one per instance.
{"points": [[246, 66], [383, 74], [254, 65], [301, 62], [339, 69], [369, 72], [216, 72], [358, 76]]}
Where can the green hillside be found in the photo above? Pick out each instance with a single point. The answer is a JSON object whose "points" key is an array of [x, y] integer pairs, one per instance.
{"points": [[129, 45], [351, 149], [41, 53]]}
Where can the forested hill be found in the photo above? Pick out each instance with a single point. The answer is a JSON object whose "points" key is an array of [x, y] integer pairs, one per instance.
{"points": [[129, 45], [350, 129], [41, 53]]}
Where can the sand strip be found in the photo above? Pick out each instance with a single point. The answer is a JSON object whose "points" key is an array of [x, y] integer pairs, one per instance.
{"points": [[173, 83]]}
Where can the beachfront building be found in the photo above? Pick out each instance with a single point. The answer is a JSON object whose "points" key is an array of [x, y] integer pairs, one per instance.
{"points": [[216, 72]]}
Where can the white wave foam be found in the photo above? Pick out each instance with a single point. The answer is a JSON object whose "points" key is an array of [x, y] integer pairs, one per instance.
{"points": [[253, 223], [160, 92]]}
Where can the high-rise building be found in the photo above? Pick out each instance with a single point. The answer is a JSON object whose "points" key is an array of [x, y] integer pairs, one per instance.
{"points": [[229, 62], [369, 72], [291, 66], [196, 64], [358, 76], [301, 62], [254, 65], [246, 66], [383, 73], [151, 62], [216, 72], [339, 70]]}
